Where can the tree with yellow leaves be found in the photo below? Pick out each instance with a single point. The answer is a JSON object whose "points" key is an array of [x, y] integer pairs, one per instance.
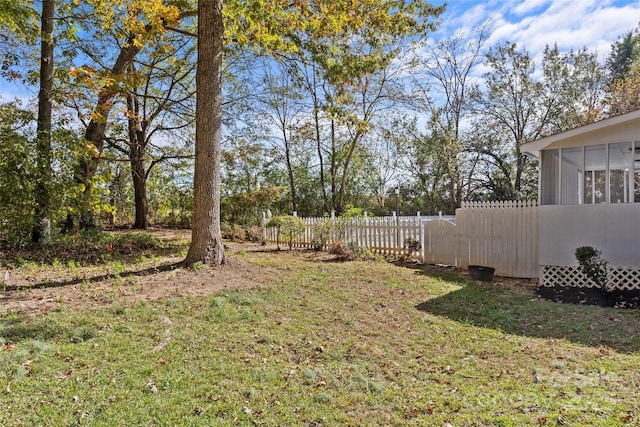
{"points": [[623, 92], [135, 23], [351, 39]]}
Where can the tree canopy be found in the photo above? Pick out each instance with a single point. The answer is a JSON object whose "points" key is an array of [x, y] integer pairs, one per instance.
{"points": [[320, 106]]}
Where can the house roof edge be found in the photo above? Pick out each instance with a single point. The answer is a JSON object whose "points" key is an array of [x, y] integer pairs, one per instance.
{"points": [[533, 148]]}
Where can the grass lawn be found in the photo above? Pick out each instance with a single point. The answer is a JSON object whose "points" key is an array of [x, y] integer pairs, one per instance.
{"points": [[321, 343]]}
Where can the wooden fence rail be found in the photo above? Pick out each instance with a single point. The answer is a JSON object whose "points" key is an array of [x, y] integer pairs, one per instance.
{"points": [[502, 235]]}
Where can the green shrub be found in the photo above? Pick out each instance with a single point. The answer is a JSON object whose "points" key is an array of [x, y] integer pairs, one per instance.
{"points": [[352, 212], [592, 264], [363, 253], [288, 227]]}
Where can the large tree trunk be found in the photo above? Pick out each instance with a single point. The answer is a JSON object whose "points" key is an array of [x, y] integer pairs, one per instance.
{"points": [[137, 156], [138, 173], [41, 233], [206, 242]]}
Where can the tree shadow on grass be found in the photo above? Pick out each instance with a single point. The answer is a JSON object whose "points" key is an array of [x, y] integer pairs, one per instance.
{"points": [[89, 256], [95, 279], [522, 313], [15, 328]]}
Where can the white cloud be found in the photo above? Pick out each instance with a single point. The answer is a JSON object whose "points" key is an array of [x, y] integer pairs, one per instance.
{"points": [[534, 24], [529, 6]]}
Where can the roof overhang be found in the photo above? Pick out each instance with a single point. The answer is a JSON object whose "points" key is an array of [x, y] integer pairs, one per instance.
{"points": [[533, 148]]}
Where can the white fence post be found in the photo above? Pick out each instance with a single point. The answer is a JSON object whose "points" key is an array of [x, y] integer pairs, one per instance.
{"points": [[503, 235]]}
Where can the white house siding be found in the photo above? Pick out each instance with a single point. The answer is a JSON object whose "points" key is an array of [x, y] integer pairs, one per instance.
{"points": [[616, 129], [612, 228]]}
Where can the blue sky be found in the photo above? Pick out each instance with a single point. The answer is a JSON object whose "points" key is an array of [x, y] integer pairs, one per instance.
{"points": [[533, 24]]}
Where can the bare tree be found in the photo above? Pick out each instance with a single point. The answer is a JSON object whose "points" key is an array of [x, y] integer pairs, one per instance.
{"points": [[282, 107], [159, 107], [442, 88]]}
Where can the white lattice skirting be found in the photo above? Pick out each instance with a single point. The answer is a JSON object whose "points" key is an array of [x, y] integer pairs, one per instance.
{"points": [[618, 278]]}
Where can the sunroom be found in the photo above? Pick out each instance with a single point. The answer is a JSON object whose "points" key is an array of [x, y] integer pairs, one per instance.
{"points": [[591, 174], [589, 195]]}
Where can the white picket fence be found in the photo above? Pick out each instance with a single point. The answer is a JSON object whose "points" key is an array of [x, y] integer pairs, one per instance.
{"points": [[502, 235]]}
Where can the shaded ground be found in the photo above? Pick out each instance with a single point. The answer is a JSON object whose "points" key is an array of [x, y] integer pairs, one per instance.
{"points": [[42, 289], [562, 294], [590, 296]]}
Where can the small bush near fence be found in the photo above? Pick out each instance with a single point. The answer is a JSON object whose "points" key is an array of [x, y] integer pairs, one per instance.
{"points": [[238, 233], [593, 265], [288, 228], [412, 245], [351, 251], [341, 249], [329, 230]]}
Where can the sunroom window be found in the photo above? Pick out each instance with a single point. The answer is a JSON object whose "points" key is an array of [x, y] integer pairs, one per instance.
{"points": [[620, 157], [571, 175], [593, 174]]}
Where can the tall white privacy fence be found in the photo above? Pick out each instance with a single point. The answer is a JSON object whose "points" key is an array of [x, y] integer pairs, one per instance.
{"points": [[502, 235]]}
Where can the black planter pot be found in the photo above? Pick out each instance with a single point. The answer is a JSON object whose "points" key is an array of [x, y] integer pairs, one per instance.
{"points": [[482, 273]]}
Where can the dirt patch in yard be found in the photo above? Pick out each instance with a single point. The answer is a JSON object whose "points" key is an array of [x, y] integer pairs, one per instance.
{"points": [[46, 286], [41, 289]]}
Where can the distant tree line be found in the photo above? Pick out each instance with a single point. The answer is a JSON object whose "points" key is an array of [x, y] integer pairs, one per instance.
{"points": [[331, 111]]}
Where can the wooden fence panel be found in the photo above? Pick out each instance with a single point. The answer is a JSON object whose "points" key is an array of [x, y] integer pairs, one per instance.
{"points": [[440, 243], [502, 235]]}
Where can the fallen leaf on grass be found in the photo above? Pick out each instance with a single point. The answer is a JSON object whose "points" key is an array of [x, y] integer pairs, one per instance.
{"points": [[448, 370], [151, 386], [66, 374]]}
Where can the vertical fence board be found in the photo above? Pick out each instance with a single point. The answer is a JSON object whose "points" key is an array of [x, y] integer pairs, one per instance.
{"points": [[503, 235]]}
